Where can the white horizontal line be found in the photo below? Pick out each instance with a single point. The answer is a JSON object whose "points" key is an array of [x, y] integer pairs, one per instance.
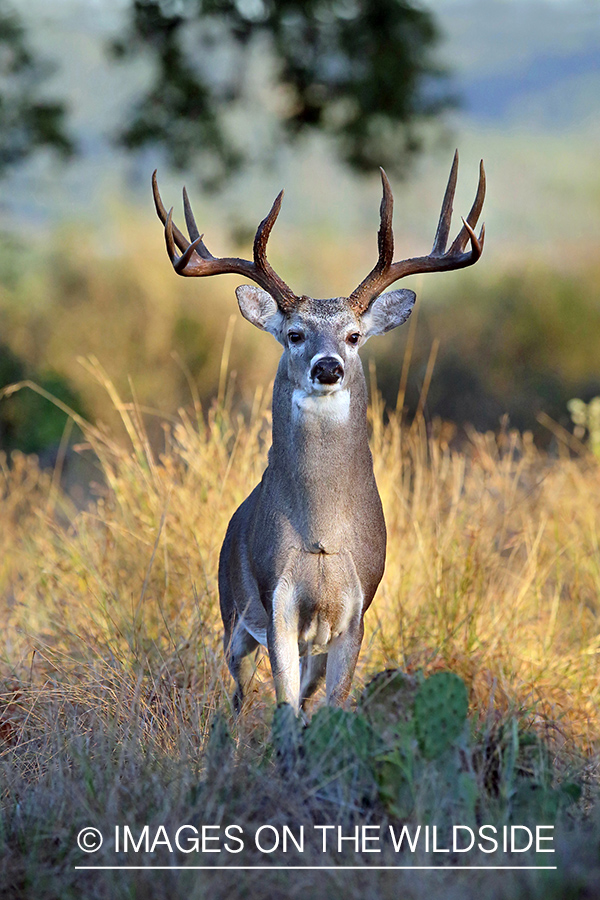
{"points": [[316, 868]]}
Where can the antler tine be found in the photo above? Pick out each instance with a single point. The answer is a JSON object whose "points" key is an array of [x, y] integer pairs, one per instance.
{"points": [[287, 299], [264, 230], [169, 238], [189, 217], [476, 242], [179, 262], [443, 229], [385, 235], [369, 288], [180, 239], [195, 247], [463, 236], [195, 236], [196, 260], [439, 260]]}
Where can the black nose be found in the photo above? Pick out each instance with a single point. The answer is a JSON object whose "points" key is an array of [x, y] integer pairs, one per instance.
{"points": [[327, 370]]}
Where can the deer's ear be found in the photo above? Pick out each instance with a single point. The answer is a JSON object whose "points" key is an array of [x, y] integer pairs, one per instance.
{"points": [[388, 311], [259, 308]]}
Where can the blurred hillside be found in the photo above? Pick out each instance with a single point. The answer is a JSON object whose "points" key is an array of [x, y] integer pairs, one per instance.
{"points": [[526, 62], [83, 268]]}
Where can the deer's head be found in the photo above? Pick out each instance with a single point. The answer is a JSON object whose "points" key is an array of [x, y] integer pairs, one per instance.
{"points": [[321, 338]]}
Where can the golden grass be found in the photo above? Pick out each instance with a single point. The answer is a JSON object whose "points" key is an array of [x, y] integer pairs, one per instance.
{"points": [[493, 571]]}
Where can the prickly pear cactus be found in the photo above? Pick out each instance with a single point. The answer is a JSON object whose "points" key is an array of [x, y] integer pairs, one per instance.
{"points": [[387, 702], [440, 710], [338, 749], [286, 736], [337, 736], [396, 772]]}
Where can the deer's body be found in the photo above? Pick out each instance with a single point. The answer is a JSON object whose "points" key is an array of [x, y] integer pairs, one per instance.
{"points": [[305, 552]]}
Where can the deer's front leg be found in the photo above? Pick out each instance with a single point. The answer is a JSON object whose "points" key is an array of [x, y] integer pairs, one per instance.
{"points": [[282, 640], [341, 662]]}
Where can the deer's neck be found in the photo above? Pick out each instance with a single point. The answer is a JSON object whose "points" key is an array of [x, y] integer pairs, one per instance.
{"points": [[321, 461]]}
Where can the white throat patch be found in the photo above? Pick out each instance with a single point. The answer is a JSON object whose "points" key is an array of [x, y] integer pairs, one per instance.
{"points": [[334, 406]]}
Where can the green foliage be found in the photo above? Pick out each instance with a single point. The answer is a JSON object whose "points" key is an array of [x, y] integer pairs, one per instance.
{"points": [[28, 421], [440, 712], [423, 764], [338, 749], [408, 747], [520, 773], [586, 418], [525, 342], [359, 70], [28, 121], [119, 771]]}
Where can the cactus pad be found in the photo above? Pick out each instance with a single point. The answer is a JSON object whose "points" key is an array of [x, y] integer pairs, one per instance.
{"points": [[440, 710]]}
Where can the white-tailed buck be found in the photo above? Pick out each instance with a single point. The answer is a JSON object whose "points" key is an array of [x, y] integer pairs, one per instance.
{"points": [[305, 552]]}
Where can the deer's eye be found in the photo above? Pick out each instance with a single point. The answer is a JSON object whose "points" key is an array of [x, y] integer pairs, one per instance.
{"points": [[353, 338], [295, 337]]}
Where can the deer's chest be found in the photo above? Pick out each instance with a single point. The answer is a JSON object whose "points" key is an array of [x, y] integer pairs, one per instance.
{"points": [[317, 597]]}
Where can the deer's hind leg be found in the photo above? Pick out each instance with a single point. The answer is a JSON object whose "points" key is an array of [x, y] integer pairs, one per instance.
{"points": [[244, 619], [239, 644]]}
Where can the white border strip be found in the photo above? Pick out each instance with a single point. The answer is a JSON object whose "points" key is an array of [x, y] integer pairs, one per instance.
{"points": [[313, 868]]}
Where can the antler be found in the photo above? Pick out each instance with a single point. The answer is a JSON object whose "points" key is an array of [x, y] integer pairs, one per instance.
{"points": [[196, 260], [386, 272]]}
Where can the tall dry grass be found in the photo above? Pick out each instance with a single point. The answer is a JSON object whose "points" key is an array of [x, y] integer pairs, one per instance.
{"points": [[492, 566], [111, 660]]}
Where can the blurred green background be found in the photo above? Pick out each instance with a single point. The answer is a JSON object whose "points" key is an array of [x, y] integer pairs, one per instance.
{"points": [[240, 99]]}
